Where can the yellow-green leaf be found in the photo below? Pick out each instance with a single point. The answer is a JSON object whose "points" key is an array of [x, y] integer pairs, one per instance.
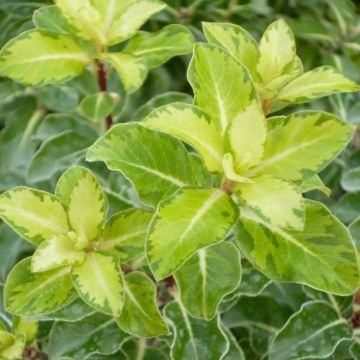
{"points": [[13, 351], [26, 328], [6, 340]]}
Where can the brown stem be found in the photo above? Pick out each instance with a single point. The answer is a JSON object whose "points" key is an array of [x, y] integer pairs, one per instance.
{"points": [[102, 81], [355, 318]]}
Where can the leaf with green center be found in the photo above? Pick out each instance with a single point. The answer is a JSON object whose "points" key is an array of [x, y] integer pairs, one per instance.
{"points": [[313, 332], [6, 340], [38, 58], [237, 41], [26, 328], [314, 84], [30, 294], [208, 216], [157, 48], [245, 137], [33, 214], [15, 350], [302, 144], [56, 252], [314, 183], [96, 334], [207, 277], [99, 283], [132, 70], [274, 200], [158, 167], [125, 234], [86, 201], [141, 316], [195, 339], [322, 256], [97, 107], [221, 84], [193, 125], [277, 51]]}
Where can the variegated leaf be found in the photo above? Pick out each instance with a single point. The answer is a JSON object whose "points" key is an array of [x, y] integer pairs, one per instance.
{"points": [[15, 350], [314, 183], [33, 214], [26, 328], [99, 283], [6, 340]]}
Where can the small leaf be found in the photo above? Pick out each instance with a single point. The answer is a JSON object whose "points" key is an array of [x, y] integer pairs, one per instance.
{"points": [[208, 216], [314, 183], [86, 201], [314, 84], [141, 316], [15, 350], [125, 234], [157, 48], [274, 200], [313, 332], [33, 214], [159, 159], [235, 352], [26, 328], [97, 107], [224, 94], [354, 228], [207, 277], [350, 180], [192, 125], [30, 294], [38, 57], [99, 283], [195, 339], [132, 70], [302, 144], [322, 256], [6, 340]]}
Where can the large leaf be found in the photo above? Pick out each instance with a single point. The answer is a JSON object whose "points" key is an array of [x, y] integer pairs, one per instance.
{"points": [[274, 200], [158, 167], [38, 58], [207, 277], [125, 233], [314, 84], [302, 144], [157, 48], [195, 339], [224, 94], [33, 214], [237, 41], [313, 332], [141, 316], [207, 217], [322, 256], [29, 294], [192, 125], [96, 334], [99, 282], [86, 201]]}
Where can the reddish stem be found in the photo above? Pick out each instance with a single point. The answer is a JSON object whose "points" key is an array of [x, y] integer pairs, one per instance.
{"points": [[102, 81]]}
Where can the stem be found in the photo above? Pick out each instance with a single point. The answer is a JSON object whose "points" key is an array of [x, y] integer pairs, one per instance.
{"points": [[102, 81]]}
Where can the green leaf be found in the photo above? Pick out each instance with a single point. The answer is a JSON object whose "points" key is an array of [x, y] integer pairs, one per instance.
{"points": [[56, 252], [132, 70], [302, 144], [6, 340], [314, 183], [59, 98], [99, 283], [141, 316], [224, 94], [314, 84], [159, 159], [322, 256], [350, 180], [29, 294], [208, 216], [313, 332], [207, 277], [274, 200], [33, 214], [15, 350], [97, 107], [277, 51], [354, 228], [26, 328], [194, 126], [195, 339], [347, 207], [87, 203], [38, 58], [157, 48], [237, 41], [125, 234], [96, 334], [235, 352]]}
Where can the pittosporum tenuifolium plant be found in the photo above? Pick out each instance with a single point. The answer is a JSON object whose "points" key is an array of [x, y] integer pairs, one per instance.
{"points": [[222, 256]]}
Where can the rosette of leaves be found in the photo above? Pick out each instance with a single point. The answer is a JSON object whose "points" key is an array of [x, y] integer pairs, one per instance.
{"points": [[78, 254], [265, 166]]}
